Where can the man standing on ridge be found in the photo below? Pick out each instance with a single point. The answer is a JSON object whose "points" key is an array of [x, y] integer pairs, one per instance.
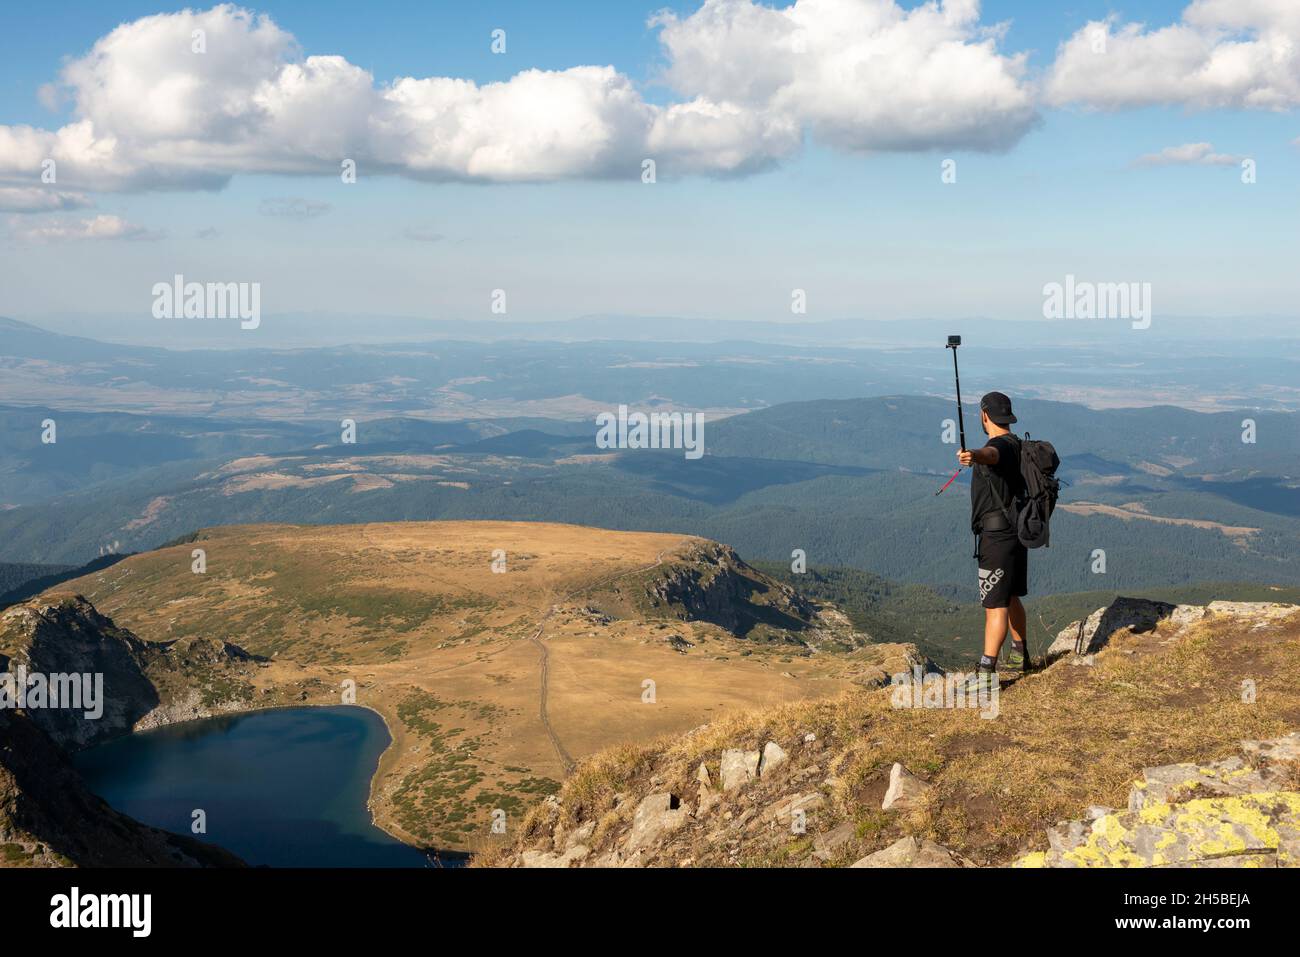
{"points": [[1003, 561]]}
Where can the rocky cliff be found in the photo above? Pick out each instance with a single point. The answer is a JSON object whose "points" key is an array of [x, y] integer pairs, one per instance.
{"points": [[47, 817], [709, 582], [66, 636], [1160, 735], [144, 684]]}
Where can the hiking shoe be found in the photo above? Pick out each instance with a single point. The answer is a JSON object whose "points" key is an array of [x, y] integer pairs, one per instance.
{"points": [[981, 682], [1018, 662]]}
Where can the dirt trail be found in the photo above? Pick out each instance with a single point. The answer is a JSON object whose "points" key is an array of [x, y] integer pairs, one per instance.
{"points": [[566, 760]]}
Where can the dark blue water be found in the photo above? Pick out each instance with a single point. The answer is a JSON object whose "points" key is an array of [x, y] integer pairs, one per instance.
{"points": [[284, 788]]}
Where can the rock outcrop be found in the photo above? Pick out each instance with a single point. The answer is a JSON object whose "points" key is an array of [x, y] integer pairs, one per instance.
{"points": [[712, 583], [738, 768], [141, 684], [1091, 634], [47, 817], [656, 815], [1243, 811], [1140, 615], [773, 757], [68, 638], [909, 852], [709, 582]]}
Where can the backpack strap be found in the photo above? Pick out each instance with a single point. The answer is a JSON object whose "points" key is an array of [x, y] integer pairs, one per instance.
{"points": [[1007, 506]]}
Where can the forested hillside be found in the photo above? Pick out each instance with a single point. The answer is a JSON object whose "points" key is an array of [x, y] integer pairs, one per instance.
{"points": [[1155, 497]]}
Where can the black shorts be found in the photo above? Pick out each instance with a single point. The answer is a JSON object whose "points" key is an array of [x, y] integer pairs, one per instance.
{"points": [[1004, 568]]}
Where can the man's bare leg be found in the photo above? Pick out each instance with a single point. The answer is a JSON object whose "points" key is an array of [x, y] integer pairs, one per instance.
{"points": [[1017, 621], [995, 629]]}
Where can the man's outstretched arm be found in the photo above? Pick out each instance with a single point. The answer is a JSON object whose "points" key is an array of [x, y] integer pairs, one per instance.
{"points": [[985, 456]]}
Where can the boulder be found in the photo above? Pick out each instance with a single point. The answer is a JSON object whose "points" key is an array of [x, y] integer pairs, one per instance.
{"points": [[1286, 748], [773, 758], [1242, 811], [826, 846], [909, 852], [706, 798], [1184, 615], [784, 810], [1175, 783], [535, 859], [738, 768], [1094, 632], [1254, 830], [656, 815], [580, 835], [1257, 611], [906, 790]]}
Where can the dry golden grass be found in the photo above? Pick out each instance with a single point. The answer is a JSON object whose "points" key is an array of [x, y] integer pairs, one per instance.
{"points": [[1065, 738]]}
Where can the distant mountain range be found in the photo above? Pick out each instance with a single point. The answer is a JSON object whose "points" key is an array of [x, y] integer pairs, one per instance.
{"points": [[1172, 497], [310, 330], [453, 380]]}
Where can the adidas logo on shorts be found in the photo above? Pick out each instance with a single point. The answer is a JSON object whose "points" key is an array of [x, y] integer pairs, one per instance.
{"points": [[988, 580]]}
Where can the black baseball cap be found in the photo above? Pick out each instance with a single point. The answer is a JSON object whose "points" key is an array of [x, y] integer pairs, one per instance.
{"points": [[998, 408]]}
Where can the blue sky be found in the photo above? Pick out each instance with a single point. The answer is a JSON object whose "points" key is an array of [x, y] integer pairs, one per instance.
{"points": [[866, 232]]}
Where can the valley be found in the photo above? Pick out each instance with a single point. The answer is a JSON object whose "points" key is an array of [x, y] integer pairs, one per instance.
{"points": [[457, 657]]}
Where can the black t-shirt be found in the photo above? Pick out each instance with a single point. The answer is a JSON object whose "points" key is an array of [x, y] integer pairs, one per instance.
{"points": [[994, 487]]}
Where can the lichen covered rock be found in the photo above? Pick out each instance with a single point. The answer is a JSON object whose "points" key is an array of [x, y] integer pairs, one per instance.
{"points": [[1242, 811], [1253, 830]]}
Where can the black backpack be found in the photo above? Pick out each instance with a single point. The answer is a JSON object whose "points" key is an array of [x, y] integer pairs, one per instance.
{"points": [[1031, 510]]}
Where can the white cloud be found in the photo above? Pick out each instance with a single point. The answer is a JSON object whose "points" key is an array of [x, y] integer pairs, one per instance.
{"points": [[857, 74], [720, 137], [538, 125], [148, 113], [1223, 54], [36, 199], [104, 226], [1188, 154], [752, 82]]}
